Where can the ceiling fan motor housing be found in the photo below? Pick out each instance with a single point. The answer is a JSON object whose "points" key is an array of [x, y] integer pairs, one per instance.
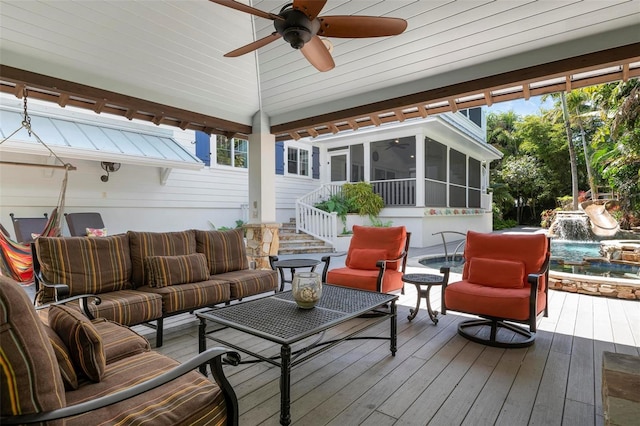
{"points": [[296, 28]]}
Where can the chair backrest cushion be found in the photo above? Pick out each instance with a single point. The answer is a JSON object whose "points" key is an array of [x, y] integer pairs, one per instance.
{"points": [[529, 249], [143, 244], [30, 380], [368, 241], [86, 265], [225, 250], [496, 272]]}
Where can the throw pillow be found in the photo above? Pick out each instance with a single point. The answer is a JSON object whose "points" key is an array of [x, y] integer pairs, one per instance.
{"points": [[172, 270], [496, 272], [63, 357], [96, 232], [366, 258], [82, 339]]}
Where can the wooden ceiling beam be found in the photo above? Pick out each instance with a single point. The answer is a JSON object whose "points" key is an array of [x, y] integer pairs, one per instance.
{"points": [[42, 83], [586, 62]]}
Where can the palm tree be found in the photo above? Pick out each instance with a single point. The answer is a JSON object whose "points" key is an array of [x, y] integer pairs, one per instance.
{"points": [[502, 129], [563, 114]]}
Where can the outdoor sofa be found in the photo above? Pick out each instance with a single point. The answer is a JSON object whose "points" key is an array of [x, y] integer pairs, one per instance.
{"points": [[62, 368], [148, 276]]}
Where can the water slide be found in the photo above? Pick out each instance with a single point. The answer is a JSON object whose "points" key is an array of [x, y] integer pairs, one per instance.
{"points": [[602, 223]]}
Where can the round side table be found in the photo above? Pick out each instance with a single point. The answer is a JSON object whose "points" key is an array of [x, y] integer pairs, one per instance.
{"points": [[420, 281], [293, 264]]}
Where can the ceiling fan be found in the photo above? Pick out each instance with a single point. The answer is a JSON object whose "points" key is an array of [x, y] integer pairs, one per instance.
{"points": [[299, 24], [396, 144]]}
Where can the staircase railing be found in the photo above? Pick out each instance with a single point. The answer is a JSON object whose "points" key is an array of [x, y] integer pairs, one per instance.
{"points": [[316, 222]]}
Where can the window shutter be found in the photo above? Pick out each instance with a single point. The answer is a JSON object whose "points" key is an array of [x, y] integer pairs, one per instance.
{"points": [[315, 163], [203, 147], [279, 158]]}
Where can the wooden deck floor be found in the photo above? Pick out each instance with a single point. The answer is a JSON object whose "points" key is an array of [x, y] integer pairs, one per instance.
{"points": [[438, 377]]}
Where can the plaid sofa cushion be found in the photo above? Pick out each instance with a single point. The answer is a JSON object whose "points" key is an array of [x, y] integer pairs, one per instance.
{"points": [[225, 250], [145, 244], [82, 339], [30, 380], [172, 270], [69, 377], [86, 265]]}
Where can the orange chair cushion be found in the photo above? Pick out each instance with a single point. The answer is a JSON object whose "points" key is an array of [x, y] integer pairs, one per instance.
{"points": [[496, 272], [391, 239], [365, 279], [463, 296], [367, 258], [530, 249]]}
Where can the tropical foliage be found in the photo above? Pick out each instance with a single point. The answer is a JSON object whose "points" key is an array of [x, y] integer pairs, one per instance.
{"points": [[590, 139]]}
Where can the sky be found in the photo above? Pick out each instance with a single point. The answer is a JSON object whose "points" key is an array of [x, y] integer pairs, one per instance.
{"points": [[522, 107]]}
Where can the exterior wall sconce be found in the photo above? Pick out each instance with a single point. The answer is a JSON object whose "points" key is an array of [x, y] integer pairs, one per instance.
{"points": [[109, 167]]}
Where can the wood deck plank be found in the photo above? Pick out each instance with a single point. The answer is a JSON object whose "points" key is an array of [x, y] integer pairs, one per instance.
{"points": [[437, 375], [433, 396], [622, 334], [549, 403], [517, 407], [455, 407]]}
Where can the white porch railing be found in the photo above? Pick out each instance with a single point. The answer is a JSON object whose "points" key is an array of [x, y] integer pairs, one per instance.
{"points": [[316, 222], [396, 192]]}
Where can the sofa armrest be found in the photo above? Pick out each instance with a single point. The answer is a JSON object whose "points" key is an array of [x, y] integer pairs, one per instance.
{"points": [[60, 291], [212, 356], [83, 300]]}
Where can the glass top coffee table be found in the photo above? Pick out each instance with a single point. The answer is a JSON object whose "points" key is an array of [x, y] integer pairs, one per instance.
{"points": [[278, 319]]}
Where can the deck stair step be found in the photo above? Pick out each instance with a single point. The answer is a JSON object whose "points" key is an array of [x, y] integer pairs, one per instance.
{"points": [[300, 243]]}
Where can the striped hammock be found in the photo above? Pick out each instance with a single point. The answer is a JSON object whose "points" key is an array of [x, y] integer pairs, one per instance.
{"points": [[16, 257]]}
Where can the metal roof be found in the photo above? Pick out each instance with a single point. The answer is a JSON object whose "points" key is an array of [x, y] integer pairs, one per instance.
{"points": [[78, 136]]}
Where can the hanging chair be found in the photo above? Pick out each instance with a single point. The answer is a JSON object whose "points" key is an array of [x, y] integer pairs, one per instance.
{"points": [[17, 261]]}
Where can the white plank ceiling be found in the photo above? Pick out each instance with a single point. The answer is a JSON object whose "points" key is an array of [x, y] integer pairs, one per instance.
{"points": [[171, 51]]}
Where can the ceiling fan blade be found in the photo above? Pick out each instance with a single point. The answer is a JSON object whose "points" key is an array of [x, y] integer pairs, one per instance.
{"points": [[360, 26], [248, 9], [318, 55], [253, 46], [311, 8]]}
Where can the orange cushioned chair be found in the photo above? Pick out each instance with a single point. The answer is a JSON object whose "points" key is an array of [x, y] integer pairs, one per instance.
{"points": [[376, 260], [504, 279]]}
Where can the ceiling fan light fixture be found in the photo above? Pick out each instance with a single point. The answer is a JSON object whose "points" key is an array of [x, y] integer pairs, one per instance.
{"points": [[297, 37], [327, 43]]}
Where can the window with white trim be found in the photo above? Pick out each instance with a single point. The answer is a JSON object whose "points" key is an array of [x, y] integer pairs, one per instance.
{"points": [[232, 152], [298, 161]]}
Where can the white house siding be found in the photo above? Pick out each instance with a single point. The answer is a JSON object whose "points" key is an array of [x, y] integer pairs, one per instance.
{"points": [[288, 190], [133, 198]]}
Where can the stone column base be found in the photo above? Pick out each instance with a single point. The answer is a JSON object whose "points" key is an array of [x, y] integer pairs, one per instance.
{"points": [[262, 242]]}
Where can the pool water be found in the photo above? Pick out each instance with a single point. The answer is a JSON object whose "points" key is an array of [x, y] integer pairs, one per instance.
{"points": [[574, 251], [561, 253]]}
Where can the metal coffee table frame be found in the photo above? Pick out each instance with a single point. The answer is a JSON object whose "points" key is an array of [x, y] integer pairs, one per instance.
{"points": [[278, 319]]}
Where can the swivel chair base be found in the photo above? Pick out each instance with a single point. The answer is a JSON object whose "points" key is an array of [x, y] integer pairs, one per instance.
{"points": [[467, 329]]}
